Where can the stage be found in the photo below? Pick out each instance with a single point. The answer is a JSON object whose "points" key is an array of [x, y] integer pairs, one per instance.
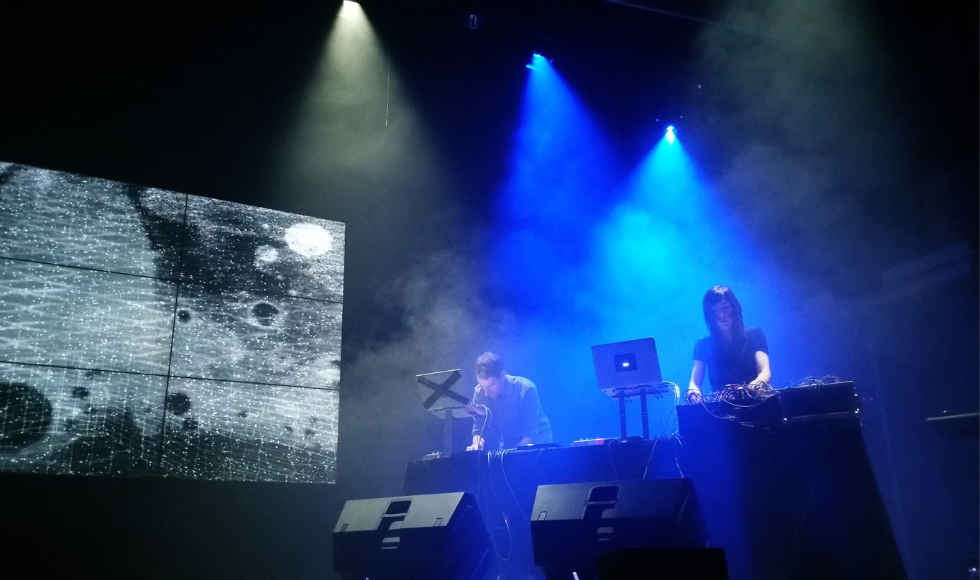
{"points": [[786, 492]]}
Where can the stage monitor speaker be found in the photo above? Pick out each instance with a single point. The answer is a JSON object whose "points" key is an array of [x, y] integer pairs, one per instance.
{"points": [[572, 524], [419, 536]]}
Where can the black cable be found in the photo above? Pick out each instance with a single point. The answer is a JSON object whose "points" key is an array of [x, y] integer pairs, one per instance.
{"points": [[507, 481], [663, 429], [486, 421], [673, 409], [733, 418], [650, 458], [612, 462], [479, 476], [510, 538], [680, 446], [814, 381]]}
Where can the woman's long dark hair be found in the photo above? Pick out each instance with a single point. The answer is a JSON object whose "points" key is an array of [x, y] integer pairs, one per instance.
{"points": [[714, 296]]}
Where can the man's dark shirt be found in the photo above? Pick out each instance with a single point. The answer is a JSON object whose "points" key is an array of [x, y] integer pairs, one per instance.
{"points": [[734, 365], [515, 414]]}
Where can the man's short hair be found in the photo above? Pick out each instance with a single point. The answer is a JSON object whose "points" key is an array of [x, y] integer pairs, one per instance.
{"points": [[489, 365]]}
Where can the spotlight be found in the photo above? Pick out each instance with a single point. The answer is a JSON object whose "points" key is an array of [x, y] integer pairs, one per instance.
{"points": [[669, 135], [537, 59], [474, 21], [351, 9]]}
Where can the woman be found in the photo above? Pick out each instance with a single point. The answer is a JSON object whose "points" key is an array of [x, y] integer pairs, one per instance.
{"points": [[733, 353]]}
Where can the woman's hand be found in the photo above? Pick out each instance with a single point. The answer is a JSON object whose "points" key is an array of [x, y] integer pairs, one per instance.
{"points": [[693, 396]]}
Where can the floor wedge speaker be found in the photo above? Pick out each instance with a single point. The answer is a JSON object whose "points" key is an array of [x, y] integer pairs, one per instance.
{"points": [[572, 524], [419, 536]]}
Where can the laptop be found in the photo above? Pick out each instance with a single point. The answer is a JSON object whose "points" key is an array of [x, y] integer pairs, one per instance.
{"points": [[630, 367]]}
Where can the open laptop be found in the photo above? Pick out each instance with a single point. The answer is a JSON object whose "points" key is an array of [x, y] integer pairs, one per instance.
{"points": [[629, 367]]}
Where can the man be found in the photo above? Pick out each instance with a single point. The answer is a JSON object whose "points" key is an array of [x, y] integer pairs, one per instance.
{"points": [[733, 353], [514, 415]]}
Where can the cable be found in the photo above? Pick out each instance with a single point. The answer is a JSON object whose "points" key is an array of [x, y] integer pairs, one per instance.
{"points": [[753, 391], [673, 410], [650, 458], [507, 481], [663, 427], [734, 418], [680, 445], [486, 420], [612, 462], [479, 475], [510, 538], [813, 381]]}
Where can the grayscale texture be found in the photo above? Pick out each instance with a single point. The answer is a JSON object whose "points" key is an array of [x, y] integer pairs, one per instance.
{"points": [[54, 315], [243, 336], [112, 306], [239, 246], [57, 420], [61, 218], [234, 431]]}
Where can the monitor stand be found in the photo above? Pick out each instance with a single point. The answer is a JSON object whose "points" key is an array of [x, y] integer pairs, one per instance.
{"points": [[442, 397], [622, 394]]}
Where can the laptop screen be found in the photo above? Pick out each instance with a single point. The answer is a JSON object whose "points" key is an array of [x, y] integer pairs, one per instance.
{"points": [[630, 367]]}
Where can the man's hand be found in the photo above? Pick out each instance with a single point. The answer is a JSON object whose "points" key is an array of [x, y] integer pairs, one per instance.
{"points": [[693, 396], [477, 444]]}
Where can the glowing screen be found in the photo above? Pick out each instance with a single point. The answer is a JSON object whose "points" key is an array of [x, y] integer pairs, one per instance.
{"points": [[146, 332]]}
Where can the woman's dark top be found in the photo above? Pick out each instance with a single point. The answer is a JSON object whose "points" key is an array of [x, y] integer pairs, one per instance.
{"points": [[735, 364]]}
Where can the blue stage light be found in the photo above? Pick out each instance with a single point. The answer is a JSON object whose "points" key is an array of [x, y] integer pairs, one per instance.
{"points": [[558, 162], [670, 136], [537, 59]]}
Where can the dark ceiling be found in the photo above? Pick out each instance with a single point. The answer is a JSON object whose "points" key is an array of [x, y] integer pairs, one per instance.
{"points": [[62, 60]]}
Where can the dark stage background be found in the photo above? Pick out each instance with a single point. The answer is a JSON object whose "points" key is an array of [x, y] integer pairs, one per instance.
{"points": [[840, 144]]}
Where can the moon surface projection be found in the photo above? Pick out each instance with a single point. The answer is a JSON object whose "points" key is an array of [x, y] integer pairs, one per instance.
{"points": [[62, 218], [58, 420], [261, 338], [145, 332], [249, 248], [232, 431]]}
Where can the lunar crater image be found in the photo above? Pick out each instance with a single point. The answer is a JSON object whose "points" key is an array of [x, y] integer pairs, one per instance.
{"points": [[25, 416], [148, 332]]}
